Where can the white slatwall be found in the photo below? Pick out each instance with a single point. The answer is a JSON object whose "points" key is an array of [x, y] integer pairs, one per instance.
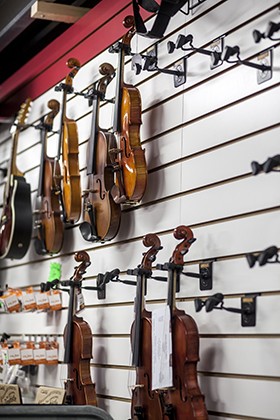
{"points": [[200, 140]]}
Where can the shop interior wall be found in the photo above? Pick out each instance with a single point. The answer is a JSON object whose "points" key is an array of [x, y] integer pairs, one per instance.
{"points": [[199, 141]]}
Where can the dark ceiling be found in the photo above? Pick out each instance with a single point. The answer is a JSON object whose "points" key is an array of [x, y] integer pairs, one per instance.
{"points": [[22, 37]]}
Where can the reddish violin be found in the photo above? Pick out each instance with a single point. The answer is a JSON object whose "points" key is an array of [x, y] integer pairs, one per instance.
{"points": [[102, 215], [132, 178], [70, 152], [184, 400], [78, 344], [145, 403], [49, 223]]}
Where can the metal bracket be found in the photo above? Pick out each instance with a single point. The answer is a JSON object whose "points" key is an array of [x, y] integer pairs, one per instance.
{"points": [[265, 58], [248, 308], [205, 275], [151, 63], [217, 48], [180, 66]]}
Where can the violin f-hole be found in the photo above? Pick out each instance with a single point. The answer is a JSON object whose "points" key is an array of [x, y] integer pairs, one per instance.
{"points": [[125, 149]]}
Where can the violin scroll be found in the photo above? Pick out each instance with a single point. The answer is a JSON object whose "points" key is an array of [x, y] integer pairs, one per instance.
{"points": [[83, 257], [185, 233], [153, 241], [74, 65], [54, 106], [129, 23], [108, 71]]}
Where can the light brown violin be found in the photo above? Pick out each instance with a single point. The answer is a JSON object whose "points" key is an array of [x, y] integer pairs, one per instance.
{"points": [[132, 177], [102, 215], [70, 152]]}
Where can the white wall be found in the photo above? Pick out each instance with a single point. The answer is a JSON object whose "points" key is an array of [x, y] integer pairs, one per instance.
{"points": [[200, 140]]}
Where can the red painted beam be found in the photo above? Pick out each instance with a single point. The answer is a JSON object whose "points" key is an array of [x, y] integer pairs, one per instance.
{"points": [[85, 39]]}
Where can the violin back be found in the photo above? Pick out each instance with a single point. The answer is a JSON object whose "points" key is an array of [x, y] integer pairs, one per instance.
{"points": [[133, 161], [185, 399], [71, 172], [80, 389]]}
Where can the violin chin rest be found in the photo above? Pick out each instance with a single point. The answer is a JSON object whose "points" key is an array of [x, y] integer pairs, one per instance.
{"points": [[88, 232]]}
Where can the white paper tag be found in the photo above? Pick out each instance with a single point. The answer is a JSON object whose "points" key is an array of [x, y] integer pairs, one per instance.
{"points": [[13, 353], [11, 301], [41, 299], [80, 301], [28, 299], [161, 348], [51, 354], [26, 354], [39, 354], [55, 299]]}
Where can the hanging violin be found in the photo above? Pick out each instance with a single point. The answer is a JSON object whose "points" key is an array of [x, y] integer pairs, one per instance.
{"points": [[101, 214], [184, 400], [69, 142], [145, 403], [80, 390], [49, 224], [129, 155], [16, 219]]}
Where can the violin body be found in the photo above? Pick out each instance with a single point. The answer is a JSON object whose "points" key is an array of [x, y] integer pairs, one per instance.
{"points": [[52, 229], [16, 219], [99, 200], [184, 401], [71, 173], [79, 388], [145, 403], [132, 158]]}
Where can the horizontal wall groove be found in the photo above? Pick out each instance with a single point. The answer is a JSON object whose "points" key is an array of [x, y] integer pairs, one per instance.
{"points": [[164, 232], [213, 112]]}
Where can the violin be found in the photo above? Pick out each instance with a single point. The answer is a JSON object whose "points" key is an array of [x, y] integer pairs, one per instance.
{"points": [[145, 403], [184, 400], [132, 178], [16, 219], [78, 343], [69, 142], [102, 215], [50, 228]]}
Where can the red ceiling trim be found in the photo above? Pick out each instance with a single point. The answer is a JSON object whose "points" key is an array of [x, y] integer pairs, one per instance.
{"points": [[85, 39]]}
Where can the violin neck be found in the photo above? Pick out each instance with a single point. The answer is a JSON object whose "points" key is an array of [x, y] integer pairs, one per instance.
{"points": [[118, 97], [138, 308], [173, 278], [43, 135], [69, 329], [63, 115], [91, 161]]}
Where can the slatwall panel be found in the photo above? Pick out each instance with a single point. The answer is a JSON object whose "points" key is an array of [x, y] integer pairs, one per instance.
{"points": [[200, 140]]}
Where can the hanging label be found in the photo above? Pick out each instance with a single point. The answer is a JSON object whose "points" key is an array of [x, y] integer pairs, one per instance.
{"points": [[39, 355], [26, 355], [161, 348]]}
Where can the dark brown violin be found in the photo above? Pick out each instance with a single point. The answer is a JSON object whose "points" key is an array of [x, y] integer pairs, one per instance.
{"points": [[78, 344], [102, 215], [49, 224], [69, 143], [130, 156], [145, 404], [184, 400]]}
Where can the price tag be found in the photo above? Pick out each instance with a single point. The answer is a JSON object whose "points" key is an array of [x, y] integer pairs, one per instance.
{"points": [[162, 374], [39, 355], [26, 355], [80, 301], [14, 355], [12, 303], [52, 355]]}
